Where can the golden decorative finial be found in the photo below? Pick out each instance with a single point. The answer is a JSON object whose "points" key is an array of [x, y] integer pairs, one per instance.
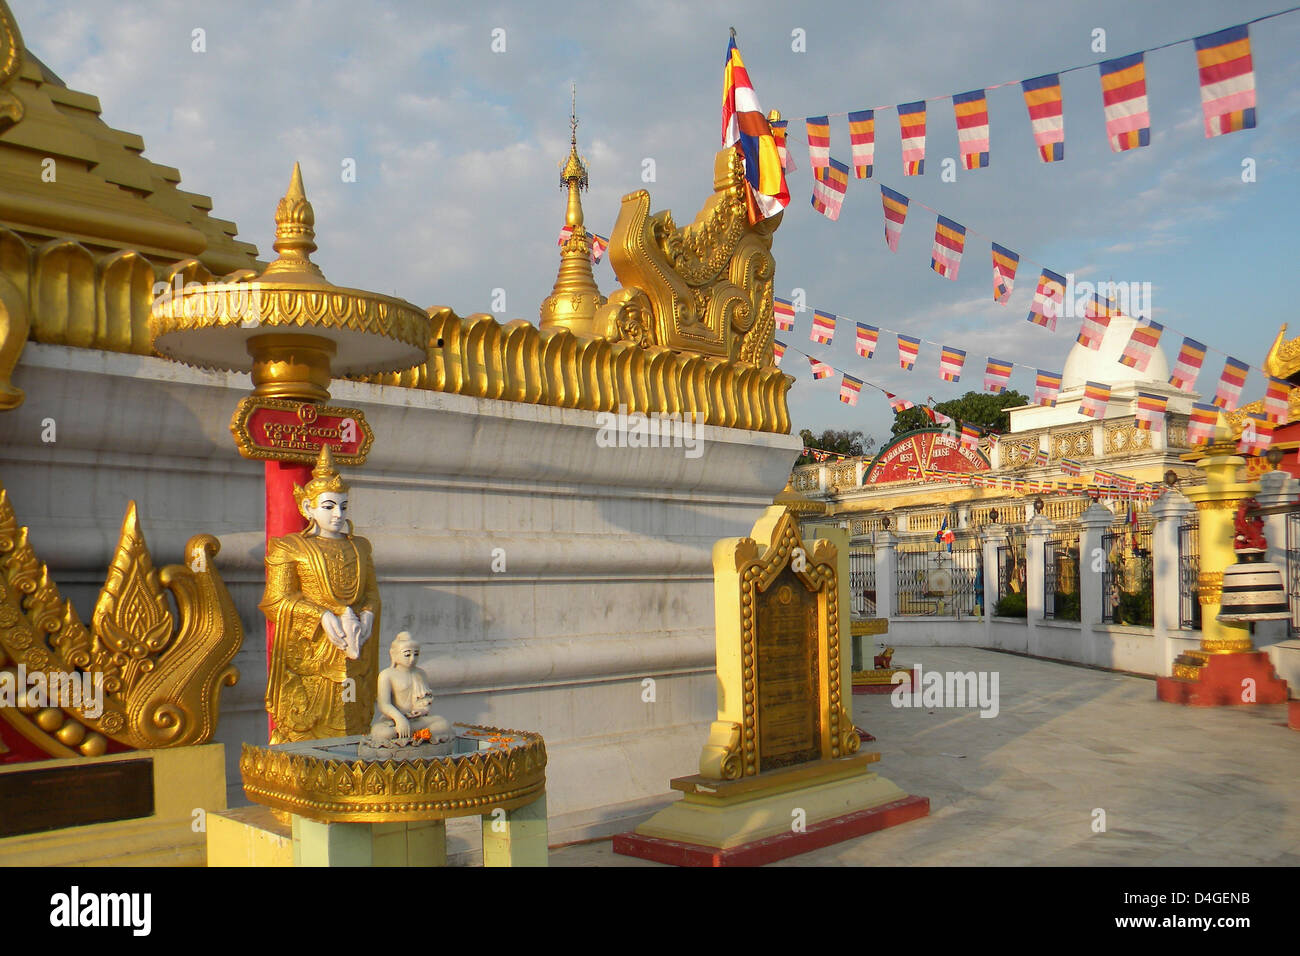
{"points": [[295, 233]]}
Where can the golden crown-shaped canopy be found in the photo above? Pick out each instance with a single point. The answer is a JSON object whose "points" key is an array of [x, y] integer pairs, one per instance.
{"points": [[219, 325], [324, 477]]}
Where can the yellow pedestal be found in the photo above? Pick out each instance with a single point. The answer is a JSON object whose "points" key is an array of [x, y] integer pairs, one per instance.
{"points": [[249, 836]]}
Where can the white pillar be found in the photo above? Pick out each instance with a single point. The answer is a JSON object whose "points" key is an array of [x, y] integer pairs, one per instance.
{"points": [[886, 572], [1036, 531], [1093, 522], [989, 538], [1275, 488], [1170, 510]]}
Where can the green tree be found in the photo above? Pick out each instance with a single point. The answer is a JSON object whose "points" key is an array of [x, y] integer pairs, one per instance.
{"points": [[973, 408], [836, 440]]}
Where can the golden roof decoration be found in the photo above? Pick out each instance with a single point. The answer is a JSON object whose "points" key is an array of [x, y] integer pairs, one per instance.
{"points": [[1283, 359], [797, 502]]}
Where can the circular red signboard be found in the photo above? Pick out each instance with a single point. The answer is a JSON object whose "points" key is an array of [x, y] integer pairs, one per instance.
{"points": [[927, 449]]}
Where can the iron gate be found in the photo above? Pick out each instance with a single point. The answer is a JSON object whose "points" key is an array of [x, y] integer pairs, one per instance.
{"points": [[1189, 570], [862, 581], [941, 582]]}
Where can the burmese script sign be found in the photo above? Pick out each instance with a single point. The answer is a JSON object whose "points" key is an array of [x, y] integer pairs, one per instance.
{"points": [[905, 458], [279, 430], [789, 707]]}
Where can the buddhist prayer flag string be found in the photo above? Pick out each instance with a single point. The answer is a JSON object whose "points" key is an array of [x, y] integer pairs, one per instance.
{"points": [[1141, 345], [850, 388], [820, 369], [829, 189], [972, 112], [1096, 396], [778, 351], [895, 206], [1046, 117], [949, 244], [819, 142], [1096, 319], [823, 327], [783, 310], [951, 361], [1276, 399], [1190, 358], [1227, 77], [898, 404], [1256, 434], [1151, 411], [911, 124], [1047, 386], [1047, 300], [1230, 384], [970, 438], [997, 375], [868, 336], [599, 244], [1200, 424], [1072, 467], [909, 347], [862, 142], [1005, 263], [745, 126], [1124, 99], [780, 129]]}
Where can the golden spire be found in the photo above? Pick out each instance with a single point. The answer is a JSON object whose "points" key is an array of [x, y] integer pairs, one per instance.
{"points": [[295, 232], [573, 301]]}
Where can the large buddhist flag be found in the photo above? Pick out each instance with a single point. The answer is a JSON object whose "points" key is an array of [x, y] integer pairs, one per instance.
{"points": [[1046, 387], [1227, 80], [898, 404], [829, 187], [895, 206], [745, 126], [1141, 345], [862, 142], [1190, 358], [783, 310], [1095, 398], [1276, 399], [911, 124], [780, 129], [820, 369], [1230, 384], [972, 111], [970, 438], [1200, 425], [778, 351], [819, 142], [868, 335], [949, 244], [1043, 98], [1047, 300], [1256, 434], [1005, 263], [1151, 411], [951, 361], [1124, 100], [823, 327], [850, 388], [908, 349], [997, 375]]}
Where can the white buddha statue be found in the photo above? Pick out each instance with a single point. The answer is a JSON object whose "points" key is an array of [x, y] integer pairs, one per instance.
{"points": [[405, 700]]}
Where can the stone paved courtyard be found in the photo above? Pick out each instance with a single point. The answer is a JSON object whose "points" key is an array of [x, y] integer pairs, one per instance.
{"points": [[1181, 786]]}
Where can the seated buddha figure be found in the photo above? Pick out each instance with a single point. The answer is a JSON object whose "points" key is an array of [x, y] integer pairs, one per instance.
{"points": [[405, 700], [323, 600]]}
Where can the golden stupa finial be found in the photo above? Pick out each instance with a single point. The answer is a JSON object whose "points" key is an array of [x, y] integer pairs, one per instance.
{"points": [[295, 232], [324, 477], [573, 176]]}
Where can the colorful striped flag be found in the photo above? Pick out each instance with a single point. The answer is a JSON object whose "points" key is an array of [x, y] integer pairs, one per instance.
{"points": [[1227, 80], [1096, 396], [1005, 263], [1047, 300], [949, 244], [1201, 423], [868, 336], [911, 124], [895, 206], [951, 361], [1043, 98], [783, 310], [939, 418], [1256, 434], [819, 142], [820, 369], [1151, 411], [1277, 399], [1141, 345], [862, 142], [829, 187], [1190, 358], [972, 111], [1124, 100], [1230, 384], [970, 438], [1072, 467], [850, 388], [1040, 459], [1096, 318], [908, 349], [599, 244], [745, 126], [778, 351], [823, 327], [898, 404], [1046, 387], [780, 129], [997, 375]]}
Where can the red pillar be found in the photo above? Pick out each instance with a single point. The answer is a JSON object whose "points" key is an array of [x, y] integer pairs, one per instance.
{"points": [[282, 517]]}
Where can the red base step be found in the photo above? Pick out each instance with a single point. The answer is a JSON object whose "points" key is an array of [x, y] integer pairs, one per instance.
{"points": [[1222, 682]]}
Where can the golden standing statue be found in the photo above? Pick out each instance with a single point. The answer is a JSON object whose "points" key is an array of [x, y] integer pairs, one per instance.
{"points": [[323, 598]]}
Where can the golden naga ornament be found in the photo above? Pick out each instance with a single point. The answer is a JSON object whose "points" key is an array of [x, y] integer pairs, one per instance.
{"points": [[322, 596], [160, 673]]}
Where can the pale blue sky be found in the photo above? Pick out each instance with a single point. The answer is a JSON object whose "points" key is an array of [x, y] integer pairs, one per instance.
{"points": [[458, 151]]}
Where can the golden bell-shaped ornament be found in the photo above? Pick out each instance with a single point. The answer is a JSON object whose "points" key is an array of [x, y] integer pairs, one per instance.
{"points": [[1253, 590]]}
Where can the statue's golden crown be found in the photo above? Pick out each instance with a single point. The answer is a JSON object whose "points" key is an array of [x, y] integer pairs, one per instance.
{"points": [[323, 478]]}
